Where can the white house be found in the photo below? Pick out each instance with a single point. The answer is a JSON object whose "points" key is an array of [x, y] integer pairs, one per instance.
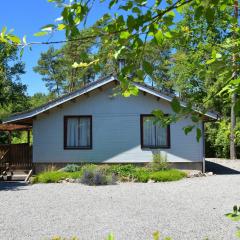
{"points": [[93, 125]]}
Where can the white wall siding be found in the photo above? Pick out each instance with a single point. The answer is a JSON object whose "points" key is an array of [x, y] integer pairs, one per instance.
{"points": [[116, 131]]}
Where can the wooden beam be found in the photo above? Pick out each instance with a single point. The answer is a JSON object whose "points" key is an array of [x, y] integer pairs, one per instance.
{"points": [[100, 89]]}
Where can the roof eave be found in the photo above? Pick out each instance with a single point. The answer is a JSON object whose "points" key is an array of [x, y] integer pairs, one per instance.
{"points": [[31, 114], [44, 108]]}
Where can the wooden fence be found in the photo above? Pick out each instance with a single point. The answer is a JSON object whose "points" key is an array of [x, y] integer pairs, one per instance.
{"points": [[17, 155]]}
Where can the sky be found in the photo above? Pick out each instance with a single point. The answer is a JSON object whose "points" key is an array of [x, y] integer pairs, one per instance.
{"points": [[26, 17]]}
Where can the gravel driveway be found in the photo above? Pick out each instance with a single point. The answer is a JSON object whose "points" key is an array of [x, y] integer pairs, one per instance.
{"points": [[188, 209]]}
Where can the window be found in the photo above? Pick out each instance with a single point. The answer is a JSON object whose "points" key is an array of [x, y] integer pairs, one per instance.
{"points": [[153, 134], [77, 132]]}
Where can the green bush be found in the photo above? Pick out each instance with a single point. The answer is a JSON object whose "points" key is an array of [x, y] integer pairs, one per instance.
{"points": [[159, 162], [141, 175], [71, 168], [107, 174], [88, 167], [123, 170], [218, 138], [55, 176], [144, 175], [104, 168], [167, 175], [96, 177]]}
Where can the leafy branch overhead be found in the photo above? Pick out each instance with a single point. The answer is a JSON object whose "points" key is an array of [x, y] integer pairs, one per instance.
{"points": [[201, 38]]}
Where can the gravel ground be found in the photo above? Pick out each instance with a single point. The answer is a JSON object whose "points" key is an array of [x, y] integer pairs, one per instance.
{"points": [[188, 209]]}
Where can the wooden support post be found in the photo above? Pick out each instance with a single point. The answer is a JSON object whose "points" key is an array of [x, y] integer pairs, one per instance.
{"points": [[28, 137], [9, 137], [10, 146]]}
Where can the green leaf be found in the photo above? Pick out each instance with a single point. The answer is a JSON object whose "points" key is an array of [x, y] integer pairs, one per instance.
{"points": [[117, 53], [112, 3], [39, 34], [188, 129], [125, 35], [48, 27], [212, 60], [159, 37], [21, 52], [136, 10], [233, 216], [195, 118], [198, 12], [130, 22], [199, 134], [131, 90], [210, 15], [168, 34], [158, 113], [176, 106], [126, 7], [14, 39], [61, 26], [147, 67]]}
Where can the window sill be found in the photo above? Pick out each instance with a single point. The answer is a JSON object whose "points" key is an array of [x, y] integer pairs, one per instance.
{"points": [[158, 147], [77, 148]]}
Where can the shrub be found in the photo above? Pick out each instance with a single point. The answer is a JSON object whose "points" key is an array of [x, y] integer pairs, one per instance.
{"points": [[123, 170], [71, 168], [91, 174], [167, 175], [96, 177], [159, 162], [89, 167], [55, 176], [104, 168], [218, 138], [141, 175]]}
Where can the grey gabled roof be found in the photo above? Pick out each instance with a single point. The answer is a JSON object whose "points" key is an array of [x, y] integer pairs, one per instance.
{"points": [[89, 87]]}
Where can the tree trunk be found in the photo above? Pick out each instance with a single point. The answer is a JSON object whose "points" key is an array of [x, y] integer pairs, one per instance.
{"points": [[234, 95], [233, 125]]}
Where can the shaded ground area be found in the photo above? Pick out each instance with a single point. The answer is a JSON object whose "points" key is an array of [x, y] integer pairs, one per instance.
{"points": [[12, 186], [188, 209], [222, 166]]}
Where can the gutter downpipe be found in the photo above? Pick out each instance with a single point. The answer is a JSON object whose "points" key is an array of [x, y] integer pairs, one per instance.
{"points": [[203, 150]]}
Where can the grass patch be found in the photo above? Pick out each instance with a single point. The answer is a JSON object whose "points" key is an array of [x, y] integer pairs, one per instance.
{"points": [[55, 176]]}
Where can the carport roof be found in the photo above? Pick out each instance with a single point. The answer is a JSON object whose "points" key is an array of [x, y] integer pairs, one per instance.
{"points": [[14, 127]]}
